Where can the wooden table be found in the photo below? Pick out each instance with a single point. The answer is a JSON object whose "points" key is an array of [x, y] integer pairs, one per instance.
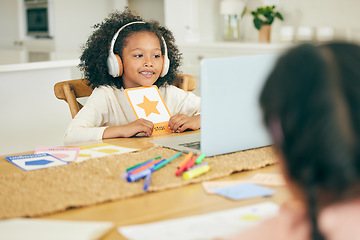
{"points": [[156, 206]]}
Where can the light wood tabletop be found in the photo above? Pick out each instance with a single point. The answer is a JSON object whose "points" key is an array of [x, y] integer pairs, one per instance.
{"points": [[156, 206]]}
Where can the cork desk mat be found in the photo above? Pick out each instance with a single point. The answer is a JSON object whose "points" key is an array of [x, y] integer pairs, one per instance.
{"points": [[41, 192]]}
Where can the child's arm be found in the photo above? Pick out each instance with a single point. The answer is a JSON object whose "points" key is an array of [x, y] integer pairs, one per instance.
{"points": [[129, 130], [181, 122]]}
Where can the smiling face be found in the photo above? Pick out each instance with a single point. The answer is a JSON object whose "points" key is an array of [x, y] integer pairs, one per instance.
{"points": [[142, 60]]}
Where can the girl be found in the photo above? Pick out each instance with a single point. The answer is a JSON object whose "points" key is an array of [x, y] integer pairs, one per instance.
{"points": [[126, 52], [311, 105]]}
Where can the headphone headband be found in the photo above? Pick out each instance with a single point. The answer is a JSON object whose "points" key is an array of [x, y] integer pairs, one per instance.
{"points": [[114, 62], [113, 40]]}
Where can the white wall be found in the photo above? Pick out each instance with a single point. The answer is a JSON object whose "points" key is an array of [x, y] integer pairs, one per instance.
{"points": [[188, 19], [205, 18], [31, 115], [9, 23], [73, 21], [149, 10]]}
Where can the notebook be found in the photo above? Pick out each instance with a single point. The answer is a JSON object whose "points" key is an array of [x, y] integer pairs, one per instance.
{"points": [[231, 118]]}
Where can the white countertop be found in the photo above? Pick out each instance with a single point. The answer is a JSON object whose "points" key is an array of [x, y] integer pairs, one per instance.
{"points": [[22, 60]]}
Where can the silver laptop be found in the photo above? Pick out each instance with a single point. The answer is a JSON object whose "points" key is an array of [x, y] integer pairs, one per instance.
{"points": [[231, 118]]}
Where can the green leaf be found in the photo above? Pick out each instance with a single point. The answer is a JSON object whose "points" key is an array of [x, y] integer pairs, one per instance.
{"points": [[258, 23], [279, 16], [244, 12], [270, 20], [268, 13]]}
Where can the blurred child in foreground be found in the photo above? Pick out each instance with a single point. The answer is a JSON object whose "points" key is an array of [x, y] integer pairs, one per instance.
{"points": [[311, 106]]}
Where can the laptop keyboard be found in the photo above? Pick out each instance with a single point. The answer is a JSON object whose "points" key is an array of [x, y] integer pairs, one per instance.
{"points": [[194, 145]]}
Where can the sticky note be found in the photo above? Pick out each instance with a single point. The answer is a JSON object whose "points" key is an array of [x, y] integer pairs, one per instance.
{"points": [[243, 191]]}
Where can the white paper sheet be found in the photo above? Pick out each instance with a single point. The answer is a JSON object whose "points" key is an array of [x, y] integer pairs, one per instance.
{"points": [[40, 229], [203, 227]]}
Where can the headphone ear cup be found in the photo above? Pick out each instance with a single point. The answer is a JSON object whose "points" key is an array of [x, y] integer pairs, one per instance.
{"points": [[115, 66], [119, 64], [165, 66]]}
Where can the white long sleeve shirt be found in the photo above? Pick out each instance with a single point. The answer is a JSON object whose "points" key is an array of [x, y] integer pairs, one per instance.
{"points": [[108, 106]]}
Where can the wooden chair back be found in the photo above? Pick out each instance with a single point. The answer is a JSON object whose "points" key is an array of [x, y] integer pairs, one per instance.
{"points": [[69, 91]]}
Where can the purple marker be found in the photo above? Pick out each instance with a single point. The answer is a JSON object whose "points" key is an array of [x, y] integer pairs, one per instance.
{"points": [[198, 165], [138, 176], [142, 174], [147, 182]]}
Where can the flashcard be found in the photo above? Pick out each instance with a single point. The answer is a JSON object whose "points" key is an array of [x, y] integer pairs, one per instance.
{"points": [[100, 150], [147, 103], [86, 154], [268, 179], [111, 149], [210, 185], [65, 154], [243, 191], [35, 161]]}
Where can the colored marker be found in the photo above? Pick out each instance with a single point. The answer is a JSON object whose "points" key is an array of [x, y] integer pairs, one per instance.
{"points": [[196, 172], [160, 165], [133, 168], [200, 158], [147, 182], [184, 166], [191, 163], [146, 166], [138, 176], [138, 165], [186, 159], [198, 165]]}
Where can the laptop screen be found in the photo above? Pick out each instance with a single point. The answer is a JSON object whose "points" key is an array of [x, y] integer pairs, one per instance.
{"points": [[231, 119]]}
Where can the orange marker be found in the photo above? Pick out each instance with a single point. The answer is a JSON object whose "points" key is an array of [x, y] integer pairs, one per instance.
{"points": [[186, 159], [146, 166], [186, 165], [191, 162]]}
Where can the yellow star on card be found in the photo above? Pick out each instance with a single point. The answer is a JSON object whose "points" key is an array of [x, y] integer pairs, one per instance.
{"points": [[149, 106]]}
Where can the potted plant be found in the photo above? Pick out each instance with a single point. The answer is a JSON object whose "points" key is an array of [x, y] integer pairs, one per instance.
{"points": [[263, 18]]}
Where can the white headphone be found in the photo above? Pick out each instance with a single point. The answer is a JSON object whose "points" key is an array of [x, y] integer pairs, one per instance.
{"points": [[115, 66]]}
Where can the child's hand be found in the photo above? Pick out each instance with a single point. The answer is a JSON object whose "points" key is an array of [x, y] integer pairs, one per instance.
{"points": [[131, 129], [139, 125], [180, 122]]}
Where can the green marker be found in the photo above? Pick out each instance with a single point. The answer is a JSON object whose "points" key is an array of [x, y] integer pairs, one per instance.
{"points": [[200, 158], [160, 165], [137, 165]]}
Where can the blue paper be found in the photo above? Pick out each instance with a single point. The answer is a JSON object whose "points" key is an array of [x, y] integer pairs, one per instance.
{"points": [[243, 191]]}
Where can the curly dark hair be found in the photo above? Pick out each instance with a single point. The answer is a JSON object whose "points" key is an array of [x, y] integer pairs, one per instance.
{"points": [[93, 61]]}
